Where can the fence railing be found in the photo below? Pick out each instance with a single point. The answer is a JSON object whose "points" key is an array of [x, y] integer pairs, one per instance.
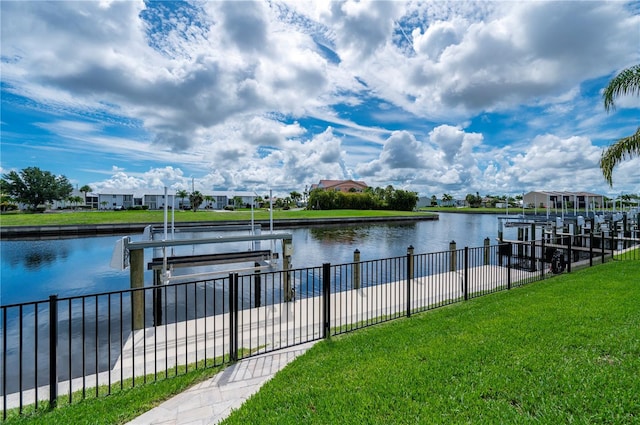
{"points": [[88, 346]]}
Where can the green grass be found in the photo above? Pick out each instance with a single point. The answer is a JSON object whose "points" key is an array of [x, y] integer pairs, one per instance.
{"points": [[121, 404], [633, 254], [564, 350], [117, 217]]}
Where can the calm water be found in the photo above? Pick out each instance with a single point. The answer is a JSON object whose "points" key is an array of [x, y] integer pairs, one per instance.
{"points": [[33, 270]]}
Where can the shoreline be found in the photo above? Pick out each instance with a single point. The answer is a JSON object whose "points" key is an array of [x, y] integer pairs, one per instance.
{"points": [[87, 230]]}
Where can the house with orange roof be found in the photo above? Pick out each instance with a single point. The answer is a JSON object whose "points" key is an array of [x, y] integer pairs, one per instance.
{"points": [[341, 185]]}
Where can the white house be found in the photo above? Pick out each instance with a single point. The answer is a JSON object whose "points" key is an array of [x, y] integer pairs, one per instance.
{"points": [[156, 201], [115, 201], [567, 200]]}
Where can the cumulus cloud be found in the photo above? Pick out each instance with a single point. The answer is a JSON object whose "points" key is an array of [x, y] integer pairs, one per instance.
{"points": [[426, 163], [282, 94], [554, 162], [454, 142], [518, 52]]}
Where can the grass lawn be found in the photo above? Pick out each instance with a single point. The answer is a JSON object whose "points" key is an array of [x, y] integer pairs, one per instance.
{"points": [[565, 350], [156, 216]]}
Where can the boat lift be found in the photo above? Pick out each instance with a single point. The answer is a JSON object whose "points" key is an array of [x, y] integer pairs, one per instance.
{"points": [[130, 254], [125, 253]]}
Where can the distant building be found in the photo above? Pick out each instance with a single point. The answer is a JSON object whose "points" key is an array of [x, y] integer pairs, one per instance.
{"points": [[568, 200], [155, 201], [341, 185], [115, 201]]}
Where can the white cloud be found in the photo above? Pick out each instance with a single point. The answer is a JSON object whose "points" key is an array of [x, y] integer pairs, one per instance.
{"points": [[553, 162], [282, 94]]}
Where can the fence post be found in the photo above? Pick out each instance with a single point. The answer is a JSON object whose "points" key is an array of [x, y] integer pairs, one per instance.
{"points": [[136, 276], [409, 277], [233, 317], [4, 363], [289, 291], [602, 244], [612, 244], [157, 298], [53, 351], [356, 269], [257, 286], [543, 257], [465, 283], [520, 239], [487, 250], [591, 247], [569, 254], [533, 247], [509, 269], [326, 300], [452, 256]]}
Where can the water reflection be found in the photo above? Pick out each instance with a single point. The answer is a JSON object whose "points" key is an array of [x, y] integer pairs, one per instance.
{"points": [[34, 255], [340, 234], [33, 270]]}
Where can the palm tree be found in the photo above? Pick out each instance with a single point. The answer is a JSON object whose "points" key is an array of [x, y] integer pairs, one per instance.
{"points": [[196, 199], [182, 194], [85, 189], [237, 201], [208, 199], [626, 82], [75, 200]]}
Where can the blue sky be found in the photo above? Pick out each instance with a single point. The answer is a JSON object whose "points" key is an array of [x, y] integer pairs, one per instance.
{"points": [[434, 97]]}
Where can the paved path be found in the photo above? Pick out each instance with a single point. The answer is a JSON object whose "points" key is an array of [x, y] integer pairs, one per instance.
{"points": [[213, 400]]}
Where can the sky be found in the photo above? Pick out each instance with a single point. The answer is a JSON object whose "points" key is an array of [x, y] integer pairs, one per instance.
{"points": [[433, 97]]}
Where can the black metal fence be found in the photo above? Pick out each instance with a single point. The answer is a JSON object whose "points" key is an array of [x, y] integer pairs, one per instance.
{"points": [[65, 349]]}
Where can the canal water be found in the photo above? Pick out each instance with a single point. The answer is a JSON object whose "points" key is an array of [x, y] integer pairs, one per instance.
{"points": [[34, 270]]}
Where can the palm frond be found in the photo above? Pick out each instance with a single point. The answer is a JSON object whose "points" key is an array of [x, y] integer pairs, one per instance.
{"points": [[626, 82], [623, 149]]}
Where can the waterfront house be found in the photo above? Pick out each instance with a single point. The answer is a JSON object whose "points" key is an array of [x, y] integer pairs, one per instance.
{"points": [[341, 185], [567, 200]]}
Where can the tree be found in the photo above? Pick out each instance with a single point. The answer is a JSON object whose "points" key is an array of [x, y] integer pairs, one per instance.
{"points": [[626, 82], [403, 200], [75, 200], [86, 189], [182, 194], [474, 201], [196, 199], [209, 199], [237, 201], [33, 187], [446, 199], [295, 196]]}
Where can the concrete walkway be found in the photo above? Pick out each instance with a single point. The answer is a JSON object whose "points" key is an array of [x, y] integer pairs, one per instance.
{"points": [[211, 401]]}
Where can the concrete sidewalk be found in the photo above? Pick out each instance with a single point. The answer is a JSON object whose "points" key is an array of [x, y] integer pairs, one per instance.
{"points": [[211, 401]]}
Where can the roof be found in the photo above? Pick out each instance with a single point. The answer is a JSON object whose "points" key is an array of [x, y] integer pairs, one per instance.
{"points": [[326, 184], [562, 193]]}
